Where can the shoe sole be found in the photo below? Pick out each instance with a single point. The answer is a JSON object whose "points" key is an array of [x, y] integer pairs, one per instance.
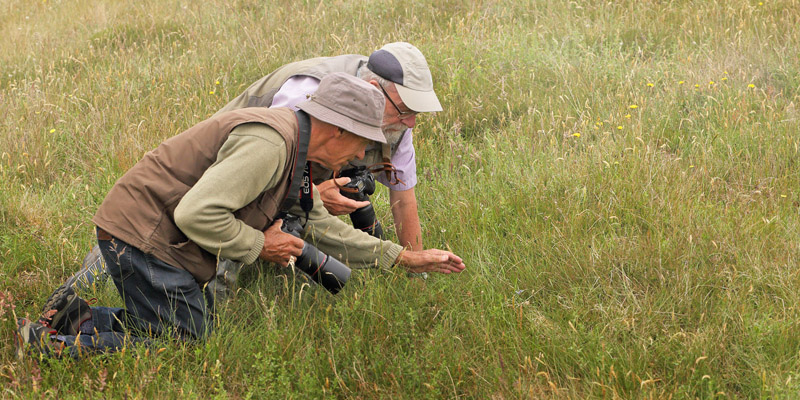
{"points": [[60, 298], [49, 304], [63, 298], [93, 270]]}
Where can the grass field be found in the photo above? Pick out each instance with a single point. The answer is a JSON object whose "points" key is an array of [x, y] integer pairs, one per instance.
{"points": [[621, 179]]}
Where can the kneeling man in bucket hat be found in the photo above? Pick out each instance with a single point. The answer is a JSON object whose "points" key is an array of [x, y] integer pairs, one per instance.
{"points": [[213, 192]]}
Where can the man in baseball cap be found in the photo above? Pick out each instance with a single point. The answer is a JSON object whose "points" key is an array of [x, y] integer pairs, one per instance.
{"points": [[215, 191]]}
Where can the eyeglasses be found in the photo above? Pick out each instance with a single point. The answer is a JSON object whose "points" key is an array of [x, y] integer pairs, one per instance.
{"points": [[401, 115]]}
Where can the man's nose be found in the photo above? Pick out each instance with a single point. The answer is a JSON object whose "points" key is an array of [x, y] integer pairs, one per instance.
{"points": [[410, 121]]}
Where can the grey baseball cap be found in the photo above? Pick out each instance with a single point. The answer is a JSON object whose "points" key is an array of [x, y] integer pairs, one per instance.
{"points": [[349, 103], [404, 64]]}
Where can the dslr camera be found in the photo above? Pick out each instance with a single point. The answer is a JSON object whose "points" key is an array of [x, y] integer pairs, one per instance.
{"points": [[329, 272], [360, 187]]}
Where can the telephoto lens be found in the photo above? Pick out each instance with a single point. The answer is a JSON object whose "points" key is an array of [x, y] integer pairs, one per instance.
{"points": [[329, 272], [360, 187]]}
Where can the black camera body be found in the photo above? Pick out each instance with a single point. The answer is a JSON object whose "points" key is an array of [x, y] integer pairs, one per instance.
{"points": [[329, 272], [362, 185]]}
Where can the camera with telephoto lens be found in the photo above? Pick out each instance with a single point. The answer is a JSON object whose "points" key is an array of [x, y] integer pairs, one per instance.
{"points": [[362, 185], [329, 272]]}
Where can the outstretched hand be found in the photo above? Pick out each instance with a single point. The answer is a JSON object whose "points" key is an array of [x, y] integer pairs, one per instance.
{"points": [[332, 199], [431, 260], [280, 246]]}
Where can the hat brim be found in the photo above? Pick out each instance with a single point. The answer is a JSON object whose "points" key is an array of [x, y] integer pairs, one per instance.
{"points": [[334, 118], [417, 100]]}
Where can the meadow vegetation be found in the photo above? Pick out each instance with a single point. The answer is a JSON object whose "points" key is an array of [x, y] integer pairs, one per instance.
{"points": [[620, 177]]}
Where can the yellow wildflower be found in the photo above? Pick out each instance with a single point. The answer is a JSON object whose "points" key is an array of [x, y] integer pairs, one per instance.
{"points": [[710, 83], [211, 92], [783, 196], [619, 127], [751, 86], [216, 83], [649, 84], [52, 131], [627, 116], [576, 134], [681, 82], [633, 106]]}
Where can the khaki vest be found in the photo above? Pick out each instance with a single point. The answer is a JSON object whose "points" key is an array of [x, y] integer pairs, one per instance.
{"points": [[139, 209], [261, 93]]}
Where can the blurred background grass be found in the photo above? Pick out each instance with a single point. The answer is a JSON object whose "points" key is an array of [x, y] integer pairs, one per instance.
{"points": [[620, 177]]}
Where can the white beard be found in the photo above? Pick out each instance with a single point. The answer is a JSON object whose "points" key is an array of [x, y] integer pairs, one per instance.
{"points": [[374, 152], [394, 133]]}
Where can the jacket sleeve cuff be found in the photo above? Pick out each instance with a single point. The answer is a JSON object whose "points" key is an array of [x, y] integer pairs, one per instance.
{"points": [[389, 257], [258, 244]]}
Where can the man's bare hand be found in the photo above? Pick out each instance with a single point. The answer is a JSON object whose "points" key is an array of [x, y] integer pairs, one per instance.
{"points": [[431, 260], [279, 246], [334, 202]]}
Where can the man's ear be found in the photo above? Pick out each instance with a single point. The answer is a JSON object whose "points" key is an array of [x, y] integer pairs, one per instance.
{"points": [[332, 130], [373, 82], [323, 131]]}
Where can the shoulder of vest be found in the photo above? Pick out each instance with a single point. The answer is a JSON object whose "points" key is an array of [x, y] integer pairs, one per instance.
{"points": [[281, 119], [319, 67]]}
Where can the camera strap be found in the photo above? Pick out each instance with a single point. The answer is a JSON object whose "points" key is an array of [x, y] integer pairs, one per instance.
{"points": [[300, 181], [306, 193], [387, 167]]}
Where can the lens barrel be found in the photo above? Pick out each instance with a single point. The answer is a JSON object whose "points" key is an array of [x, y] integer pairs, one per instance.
{"points": [[365, 220], [329, 272]]}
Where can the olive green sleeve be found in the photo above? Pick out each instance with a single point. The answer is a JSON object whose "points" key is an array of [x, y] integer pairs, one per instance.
{"points": [[347, 244], [249, 162]]}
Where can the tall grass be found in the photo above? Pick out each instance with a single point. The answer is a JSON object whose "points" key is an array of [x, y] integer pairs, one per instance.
{"points": [[621, 179]]}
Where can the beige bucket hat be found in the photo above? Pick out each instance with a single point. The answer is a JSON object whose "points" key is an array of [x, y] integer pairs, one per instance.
{"points": [[349, 103]]}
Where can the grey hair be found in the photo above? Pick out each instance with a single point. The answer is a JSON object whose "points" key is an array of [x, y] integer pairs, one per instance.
{"points": [[367, 75]]}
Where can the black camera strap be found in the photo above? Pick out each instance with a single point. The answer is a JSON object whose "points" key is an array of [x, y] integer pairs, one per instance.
{"points": [[306, 193], [300, 181]]}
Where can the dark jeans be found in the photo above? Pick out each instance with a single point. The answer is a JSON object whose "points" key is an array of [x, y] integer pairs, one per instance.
{"points": [[159, 300]]}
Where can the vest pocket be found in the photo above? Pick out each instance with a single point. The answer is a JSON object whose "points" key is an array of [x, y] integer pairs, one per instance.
{"points": [[259, 213]]}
